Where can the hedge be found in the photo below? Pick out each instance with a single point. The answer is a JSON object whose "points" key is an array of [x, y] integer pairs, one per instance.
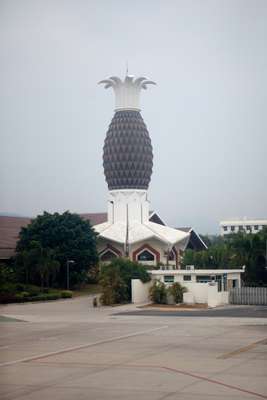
{"points": [[24, 297]]}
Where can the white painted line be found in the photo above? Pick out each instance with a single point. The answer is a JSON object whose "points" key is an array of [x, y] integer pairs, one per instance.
{"points": [[83, 346]]}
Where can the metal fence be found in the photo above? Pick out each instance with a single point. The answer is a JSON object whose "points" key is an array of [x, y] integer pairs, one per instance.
{"points": [[248, 295]]}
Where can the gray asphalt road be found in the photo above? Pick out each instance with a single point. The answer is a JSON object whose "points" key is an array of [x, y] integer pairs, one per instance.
{"points": [[231, 312]]}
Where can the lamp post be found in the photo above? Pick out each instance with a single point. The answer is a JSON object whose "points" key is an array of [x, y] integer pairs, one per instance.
{"points": [[68, 272]]}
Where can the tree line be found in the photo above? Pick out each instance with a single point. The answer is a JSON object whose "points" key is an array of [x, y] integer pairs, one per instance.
{"points": [[234, 251]]}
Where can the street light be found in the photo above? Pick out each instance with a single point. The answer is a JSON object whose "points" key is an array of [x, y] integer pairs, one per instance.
{"points": [[68, 272]]}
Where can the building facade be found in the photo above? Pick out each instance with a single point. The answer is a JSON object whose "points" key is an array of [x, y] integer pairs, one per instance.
{"points": [[244, 226]]}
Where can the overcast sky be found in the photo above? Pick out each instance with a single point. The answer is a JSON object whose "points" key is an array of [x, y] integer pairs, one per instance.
{"points": [[207, 116]]}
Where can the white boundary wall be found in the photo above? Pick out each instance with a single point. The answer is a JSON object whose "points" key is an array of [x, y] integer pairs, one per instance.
{"points": [[216, 298], [197, 293], [140, 291]]}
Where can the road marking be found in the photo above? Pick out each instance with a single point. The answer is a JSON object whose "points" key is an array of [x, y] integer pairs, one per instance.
{"points": [[203, 378], [83, 346], [241, 350]]}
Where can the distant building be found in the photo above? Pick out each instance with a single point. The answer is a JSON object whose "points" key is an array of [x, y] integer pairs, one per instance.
{"points": [[242, 225]]}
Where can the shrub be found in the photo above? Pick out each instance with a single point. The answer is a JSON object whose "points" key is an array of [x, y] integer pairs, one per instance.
{"points": [[52, 296], [113, 287], [8, 288], [18, 298], [33, 290], [115, 279], [66, 294], [24, 294], [158, 293], [20, 287], [177, 291]]}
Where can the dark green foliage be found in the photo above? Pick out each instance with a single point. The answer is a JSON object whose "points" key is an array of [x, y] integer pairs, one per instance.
{"points": [[41, 297], [19, 293], [114, 290], [234, 251], [47, 243], [66, 294], [216, 256], [115, 279], [158, 293], [176, 290], [7, 274]]}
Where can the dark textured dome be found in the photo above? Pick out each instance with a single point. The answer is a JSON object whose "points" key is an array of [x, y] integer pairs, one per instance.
{"points": [[128, 157]]}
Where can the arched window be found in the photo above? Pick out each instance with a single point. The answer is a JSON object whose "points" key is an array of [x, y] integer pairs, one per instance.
{"points": [[145, 255], [108, 256]]}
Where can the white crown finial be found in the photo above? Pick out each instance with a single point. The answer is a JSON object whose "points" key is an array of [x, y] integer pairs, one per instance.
{"points": [[127, 92]]}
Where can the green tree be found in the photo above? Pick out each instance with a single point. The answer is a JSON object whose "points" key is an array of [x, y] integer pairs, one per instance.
{"points": [[177, 290], [250, 250], [47, 243], [234, 251], [7, 274], [158, 293], [115, 279]]}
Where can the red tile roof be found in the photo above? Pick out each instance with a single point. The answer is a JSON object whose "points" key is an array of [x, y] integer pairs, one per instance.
{"points": [[11, 226], [95, 218], [9, 232]]}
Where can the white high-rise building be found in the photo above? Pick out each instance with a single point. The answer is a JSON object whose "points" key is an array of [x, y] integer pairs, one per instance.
{"points": [[242, 225]]}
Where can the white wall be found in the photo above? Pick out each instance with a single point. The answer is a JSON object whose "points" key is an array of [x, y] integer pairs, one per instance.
{"points": [[128, 202], [216, 298], [203, 293], [140, 291], [198, 290]]}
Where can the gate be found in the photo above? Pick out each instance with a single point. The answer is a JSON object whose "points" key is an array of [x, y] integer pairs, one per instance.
{"points": [[248, 295]]}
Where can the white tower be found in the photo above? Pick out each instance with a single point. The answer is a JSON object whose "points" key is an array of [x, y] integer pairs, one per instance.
{"points": [[128, 162]]}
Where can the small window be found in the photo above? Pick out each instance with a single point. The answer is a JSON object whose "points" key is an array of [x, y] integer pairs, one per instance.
{"points": [[225, 228], [187, 277], [203, 278], [241, 228], [168, 278], [248, 228], [256, 227], [232, 228], [145, 256]]}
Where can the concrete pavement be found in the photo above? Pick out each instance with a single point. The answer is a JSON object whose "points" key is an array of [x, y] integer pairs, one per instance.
{"points": [[67, 349]]}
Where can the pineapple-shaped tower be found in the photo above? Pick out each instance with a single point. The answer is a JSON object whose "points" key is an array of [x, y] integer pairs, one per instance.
{"points": [[127, 156]]}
